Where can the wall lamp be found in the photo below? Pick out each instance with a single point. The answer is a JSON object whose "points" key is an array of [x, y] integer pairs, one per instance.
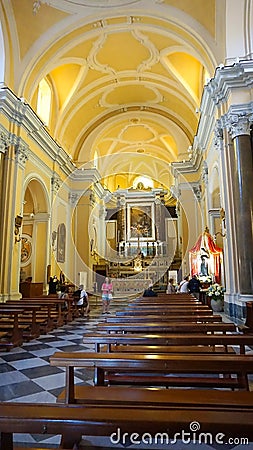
{"points": [[18, 224]]}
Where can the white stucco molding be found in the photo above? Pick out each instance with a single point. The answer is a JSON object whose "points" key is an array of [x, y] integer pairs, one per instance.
{"points": [[55, 183], [239, 120], [4, 140], [217, 93], [19, 112], [218, 135], [22, 150]]}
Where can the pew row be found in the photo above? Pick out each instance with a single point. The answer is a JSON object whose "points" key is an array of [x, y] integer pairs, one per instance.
{"points": [[233, 416], [167, 327], [169, 318], [152, 311], [168, 370], [169, 341]]}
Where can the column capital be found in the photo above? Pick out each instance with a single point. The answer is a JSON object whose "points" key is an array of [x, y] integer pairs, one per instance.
{"points": [[55, 183], [4, 142], [74, 197], [205, 173], [218, 135], [102, 212], [238, 124], [21, 154], [197, 191]]}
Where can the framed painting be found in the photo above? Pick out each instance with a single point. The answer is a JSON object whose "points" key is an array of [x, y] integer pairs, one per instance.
{"points": [[140, 222]]}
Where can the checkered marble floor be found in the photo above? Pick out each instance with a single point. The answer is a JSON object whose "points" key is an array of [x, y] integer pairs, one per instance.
{"points": [[26, 376]]}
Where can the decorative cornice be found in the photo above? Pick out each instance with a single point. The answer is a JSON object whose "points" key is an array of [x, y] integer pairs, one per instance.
{"points": [[87, 176], [19, 112], [228, 78], [189, 166]]}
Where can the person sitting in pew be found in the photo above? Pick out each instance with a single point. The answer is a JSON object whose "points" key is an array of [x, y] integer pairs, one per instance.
{"points": [[149, 292]]}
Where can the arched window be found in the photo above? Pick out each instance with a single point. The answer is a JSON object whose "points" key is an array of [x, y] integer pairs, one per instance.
{"points": [[143, 183], [44, 101]]}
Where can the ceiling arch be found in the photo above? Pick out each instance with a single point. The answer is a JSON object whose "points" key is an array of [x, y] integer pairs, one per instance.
{"points": [[113, 61]]}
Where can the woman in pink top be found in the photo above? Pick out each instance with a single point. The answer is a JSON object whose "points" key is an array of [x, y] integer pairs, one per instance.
{"points": [[106, 295]]}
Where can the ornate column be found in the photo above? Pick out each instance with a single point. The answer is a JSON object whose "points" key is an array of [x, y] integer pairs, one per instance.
{"points": [[13, 163], [238, 125], [4, 232]]}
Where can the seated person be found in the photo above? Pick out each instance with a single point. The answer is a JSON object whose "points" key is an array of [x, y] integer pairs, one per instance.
{"points": [[149, 292], [82, 301]]}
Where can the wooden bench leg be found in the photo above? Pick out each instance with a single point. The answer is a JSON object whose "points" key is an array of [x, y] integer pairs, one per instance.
{"points": [[99, 377], [70, 440], [243, 380], [6, 440], [70, 386]]}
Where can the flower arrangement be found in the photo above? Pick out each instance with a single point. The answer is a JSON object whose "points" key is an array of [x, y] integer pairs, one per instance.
{"points": [[205, 279], [216, 291]]}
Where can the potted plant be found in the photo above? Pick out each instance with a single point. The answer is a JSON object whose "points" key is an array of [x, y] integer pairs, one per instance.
{"points": [[216, 293]]}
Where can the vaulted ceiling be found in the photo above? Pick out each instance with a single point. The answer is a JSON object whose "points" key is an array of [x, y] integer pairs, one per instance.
{"points": [[126, 76]]}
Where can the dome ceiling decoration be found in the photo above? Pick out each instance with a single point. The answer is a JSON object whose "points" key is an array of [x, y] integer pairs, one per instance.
{"points": [[126, 76]]}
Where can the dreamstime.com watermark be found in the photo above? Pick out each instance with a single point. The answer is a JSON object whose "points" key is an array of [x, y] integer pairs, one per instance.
{"points": [[192, 436]]}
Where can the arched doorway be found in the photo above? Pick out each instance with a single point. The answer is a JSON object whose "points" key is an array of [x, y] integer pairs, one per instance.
{"points": [[34, 239]]}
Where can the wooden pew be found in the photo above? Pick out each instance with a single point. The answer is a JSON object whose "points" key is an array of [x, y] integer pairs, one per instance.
{"points": [[164, 398], [170, 341], [168, 307], [9, 323], [233, 416], [157, 369], [4, 341], [163, 312], [30, 317], [167, 327], [51, 310], [165, 302], [165, 318]]}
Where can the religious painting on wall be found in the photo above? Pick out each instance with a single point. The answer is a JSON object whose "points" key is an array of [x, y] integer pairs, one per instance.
{"points": [[61, 242], [140, 222], [26, 249]]}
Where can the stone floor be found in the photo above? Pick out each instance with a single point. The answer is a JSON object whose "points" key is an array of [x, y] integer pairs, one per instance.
{"points": [[26, 376]]}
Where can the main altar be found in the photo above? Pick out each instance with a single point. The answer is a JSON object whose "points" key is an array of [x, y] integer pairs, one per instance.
{"points": [[142, 240]]}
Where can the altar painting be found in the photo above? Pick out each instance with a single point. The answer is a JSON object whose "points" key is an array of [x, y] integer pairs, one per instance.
{"points": [[140, 223]]}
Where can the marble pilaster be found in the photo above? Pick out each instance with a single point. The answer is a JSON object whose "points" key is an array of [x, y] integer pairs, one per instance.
{"points": [[242, 165]]}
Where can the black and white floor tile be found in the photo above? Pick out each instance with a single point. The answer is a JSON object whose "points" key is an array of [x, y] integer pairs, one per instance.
{"points": [[26, 376]]}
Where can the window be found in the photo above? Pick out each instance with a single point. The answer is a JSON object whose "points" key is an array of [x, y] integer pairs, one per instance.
{"points": [[143, 183], [44, 101]]}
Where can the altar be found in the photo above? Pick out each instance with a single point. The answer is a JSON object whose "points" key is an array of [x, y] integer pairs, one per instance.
{"points": [[129, 286]]}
